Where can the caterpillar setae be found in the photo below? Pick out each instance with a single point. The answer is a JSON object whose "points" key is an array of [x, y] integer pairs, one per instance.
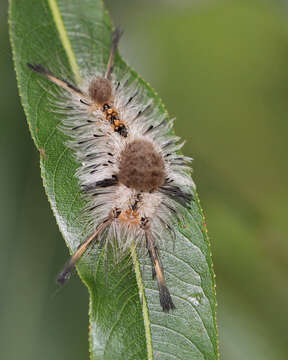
{"points": [[134, 179]]}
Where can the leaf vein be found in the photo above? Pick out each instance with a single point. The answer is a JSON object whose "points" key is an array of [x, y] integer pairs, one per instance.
{"points": [[181, 335]]}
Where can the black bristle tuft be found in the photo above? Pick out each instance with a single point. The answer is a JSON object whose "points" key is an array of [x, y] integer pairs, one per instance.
{"points": [[38, 68], [101, 184], [175, 193], [168, 143], [63, 277], [165, 299], [131, 98], [153, 273], [149, 129], [117, 33]]}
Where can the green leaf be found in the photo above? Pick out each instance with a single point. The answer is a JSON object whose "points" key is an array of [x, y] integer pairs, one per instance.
{"points": [[126, 321]]}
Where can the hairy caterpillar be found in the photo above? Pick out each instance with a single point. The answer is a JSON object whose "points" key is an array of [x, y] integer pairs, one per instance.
{"points": [[131, 173]]}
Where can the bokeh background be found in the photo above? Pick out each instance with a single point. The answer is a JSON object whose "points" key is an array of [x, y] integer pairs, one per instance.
{"points": [[221, 68]]}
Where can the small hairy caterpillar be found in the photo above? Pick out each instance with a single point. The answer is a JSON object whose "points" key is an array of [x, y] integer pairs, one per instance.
{"points": [[135, 181]]}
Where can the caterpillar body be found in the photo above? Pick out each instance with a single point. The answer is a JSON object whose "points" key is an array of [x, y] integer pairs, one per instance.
{"points": [[134, 179]]}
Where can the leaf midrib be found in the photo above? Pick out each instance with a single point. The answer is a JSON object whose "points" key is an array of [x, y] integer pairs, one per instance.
{"points": [[64, 39]]}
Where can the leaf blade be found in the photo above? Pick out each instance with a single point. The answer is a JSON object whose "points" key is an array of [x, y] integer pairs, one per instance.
{"points": [[115, 306]]}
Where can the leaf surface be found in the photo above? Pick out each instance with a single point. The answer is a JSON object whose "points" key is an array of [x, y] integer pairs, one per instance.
{"points": [[126, 321]]}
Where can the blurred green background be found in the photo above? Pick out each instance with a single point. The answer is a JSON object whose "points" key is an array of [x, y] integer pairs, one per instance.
{"points": [[221, 67]]}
